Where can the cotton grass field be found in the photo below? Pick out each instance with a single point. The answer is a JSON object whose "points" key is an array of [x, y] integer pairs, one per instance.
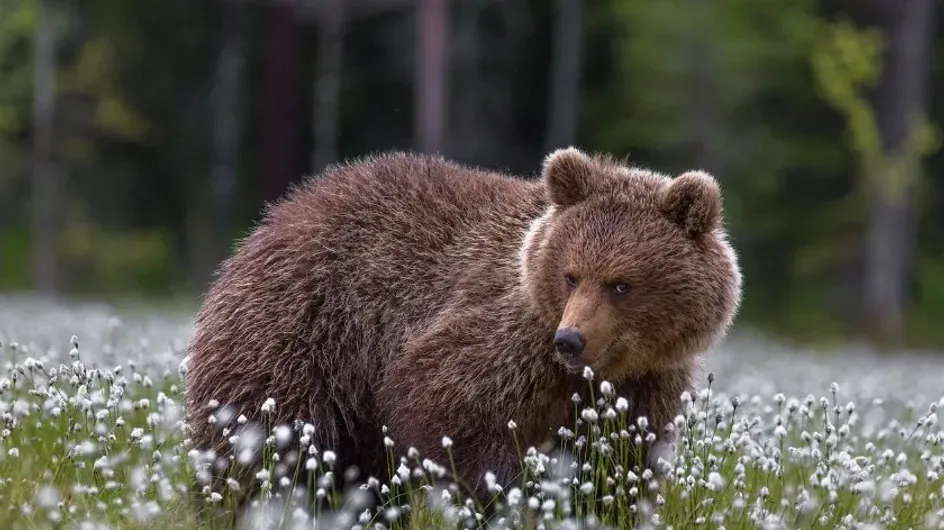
{"points": [[94, 436]]}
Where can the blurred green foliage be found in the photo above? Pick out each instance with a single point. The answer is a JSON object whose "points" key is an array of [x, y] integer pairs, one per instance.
{"points": [[773, 97], [747, 64], [846, 61]]}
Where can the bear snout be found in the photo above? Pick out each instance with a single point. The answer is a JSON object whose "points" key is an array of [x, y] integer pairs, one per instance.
{"points": [[569, 343]]}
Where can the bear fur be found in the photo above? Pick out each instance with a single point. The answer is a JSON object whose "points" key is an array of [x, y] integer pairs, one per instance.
{"points": [[411, 292]]}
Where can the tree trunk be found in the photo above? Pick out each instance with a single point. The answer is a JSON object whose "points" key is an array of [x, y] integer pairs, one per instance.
{"points": [[227, 132], [467, 131], [902, 94], [45, 184], [328, 84], [704, 112], [564, 99], [281, 86], [430, 86]]}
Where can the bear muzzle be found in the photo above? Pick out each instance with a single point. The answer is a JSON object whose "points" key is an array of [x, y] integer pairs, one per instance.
{"points": [[569, 344]]}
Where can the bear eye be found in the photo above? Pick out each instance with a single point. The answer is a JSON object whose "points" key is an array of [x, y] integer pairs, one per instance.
{"points": [[621, 288], [571, 280]]}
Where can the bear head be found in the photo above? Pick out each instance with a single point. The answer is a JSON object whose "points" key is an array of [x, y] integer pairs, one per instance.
{"points": [[632, 268]]}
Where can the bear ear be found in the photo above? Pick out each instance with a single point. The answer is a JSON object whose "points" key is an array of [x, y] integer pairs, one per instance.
{"points": [[693, 202], [568, 175]]}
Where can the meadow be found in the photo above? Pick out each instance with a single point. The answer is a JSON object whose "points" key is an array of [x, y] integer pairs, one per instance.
{"points": [[94, 436]]}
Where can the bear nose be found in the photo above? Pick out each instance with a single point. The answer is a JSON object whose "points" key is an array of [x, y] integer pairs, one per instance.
{"points": [[568, 342]]}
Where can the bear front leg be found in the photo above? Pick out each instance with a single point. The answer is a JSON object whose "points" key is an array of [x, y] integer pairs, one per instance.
{"points": [[467, 462], [476, 463], [657, 397], [437, 393]]}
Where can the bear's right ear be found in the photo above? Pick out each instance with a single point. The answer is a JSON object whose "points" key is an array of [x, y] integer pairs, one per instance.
{"points": [[693, 202], [568, 176]]}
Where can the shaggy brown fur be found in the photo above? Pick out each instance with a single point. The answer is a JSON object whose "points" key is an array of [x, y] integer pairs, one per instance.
{"points": [[411, 292]]}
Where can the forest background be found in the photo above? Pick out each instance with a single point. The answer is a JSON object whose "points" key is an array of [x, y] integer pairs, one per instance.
{"points": [[139, 140]]}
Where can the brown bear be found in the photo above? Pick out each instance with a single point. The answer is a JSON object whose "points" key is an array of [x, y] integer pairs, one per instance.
{"points": [[439, 300]]}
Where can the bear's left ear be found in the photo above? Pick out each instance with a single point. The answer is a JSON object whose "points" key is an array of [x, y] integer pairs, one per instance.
{"points": [[568, 175], [693, 201]]}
